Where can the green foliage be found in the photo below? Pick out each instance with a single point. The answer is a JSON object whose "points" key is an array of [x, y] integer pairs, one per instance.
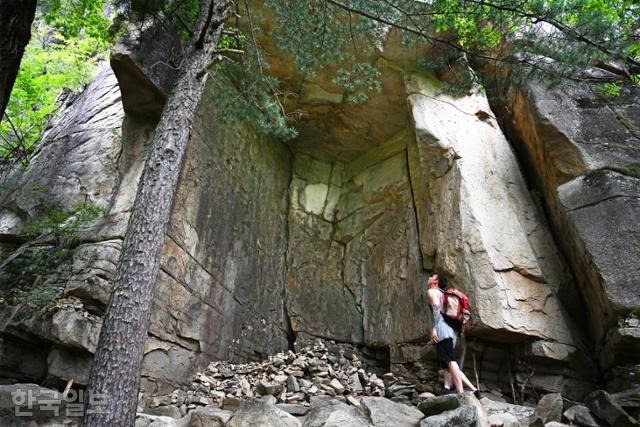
{"points": [[62, 224], [37, 275], [636, 311], [69, 39], [553, 39], [358, 82], [635, 79], [72, 18], [244, 91], [609, 90]]}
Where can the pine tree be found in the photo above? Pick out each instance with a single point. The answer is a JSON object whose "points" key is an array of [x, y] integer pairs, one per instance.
{"points": [[115, 372]]}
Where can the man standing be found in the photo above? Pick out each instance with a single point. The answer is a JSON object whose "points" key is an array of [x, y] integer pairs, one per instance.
{"points": [[444, 337]]}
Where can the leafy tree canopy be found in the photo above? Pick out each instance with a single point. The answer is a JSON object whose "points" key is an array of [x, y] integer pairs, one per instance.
{"points": [[514, 39], [69, 39]]}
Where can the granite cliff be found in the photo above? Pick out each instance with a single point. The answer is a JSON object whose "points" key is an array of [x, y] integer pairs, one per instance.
{"points": [[529, 205]]}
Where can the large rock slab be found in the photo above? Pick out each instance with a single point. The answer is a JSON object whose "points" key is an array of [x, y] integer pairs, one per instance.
{"points": [[478, 222], [209, 417], [146, 62], [146, 420], [582, 153], [212, 301], [335, 414], [256, 412], [355, 271], [386, 413], [550, 408], [603, 406]]}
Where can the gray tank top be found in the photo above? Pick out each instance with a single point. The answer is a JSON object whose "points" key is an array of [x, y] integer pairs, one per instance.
{"points": [[443, 330]]}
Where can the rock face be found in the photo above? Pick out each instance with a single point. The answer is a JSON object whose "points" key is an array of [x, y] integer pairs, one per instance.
{"points": [[219, 290], [353, 235], [582, 153], [334, 234]]}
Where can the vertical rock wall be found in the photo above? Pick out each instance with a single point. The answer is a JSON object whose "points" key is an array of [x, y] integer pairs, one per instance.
{"points": [[354, 265], [479, 224], [220, 289], [583, 152]]}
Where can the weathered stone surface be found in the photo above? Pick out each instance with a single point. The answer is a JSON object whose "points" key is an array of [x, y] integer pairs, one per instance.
{"points": [[582, 153], [354, 266], [293, 408], [464, 416], [506, 413], [580, 415], [479, 223], [621, 346], [67, 327], [164, 411], [438, 404], [384, 412], [146, 420], [166, 362], [335, 414], [209, 417], [266, 387], [550, 408], [605, 408], [628, 398], [79, 161], [257, 412], [94, 265], [225, 299], [597, 203], [65, 364], [95, 154], [146, 62]]}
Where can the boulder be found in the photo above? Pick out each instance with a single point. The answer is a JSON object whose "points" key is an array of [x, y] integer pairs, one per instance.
{"points": [[164, 411], [294, 408], [268, 387], [453, 408], [335, 414], [142, 61], [385, 413], [464, 416], [146, 420], [257, 412], [580, 415], [507, 414], [550, 407], [628, 398], [209, 417], [603, 406]]}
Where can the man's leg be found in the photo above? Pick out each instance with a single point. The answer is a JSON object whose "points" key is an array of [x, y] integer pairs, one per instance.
{"points": [[466, 381], [447, 378], [456, 376]]}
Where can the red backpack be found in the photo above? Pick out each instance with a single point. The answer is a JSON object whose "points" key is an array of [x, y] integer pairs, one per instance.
{"points": [[456, 309]]}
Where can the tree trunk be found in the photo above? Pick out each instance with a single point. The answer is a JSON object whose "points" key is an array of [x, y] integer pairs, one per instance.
{"points": [[115, 372], [16, 17]]}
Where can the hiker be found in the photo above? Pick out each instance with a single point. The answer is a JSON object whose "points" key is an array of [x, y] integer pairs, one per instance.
{"points": [[444, 336]]}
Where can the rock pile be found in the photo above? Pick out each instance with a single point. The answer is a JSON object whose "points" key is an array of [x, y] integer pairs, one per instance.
{"points": [[292, 380]]}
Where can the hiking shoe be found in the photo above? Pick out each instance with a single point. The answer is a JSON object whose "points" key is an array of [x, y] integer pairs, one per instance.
{"points": [[477, 394], [444, 391]]}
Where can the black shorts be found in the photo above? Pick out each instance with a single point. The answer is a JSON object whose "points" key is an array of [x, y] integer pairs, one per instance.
{"points": [[445, 352]]}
